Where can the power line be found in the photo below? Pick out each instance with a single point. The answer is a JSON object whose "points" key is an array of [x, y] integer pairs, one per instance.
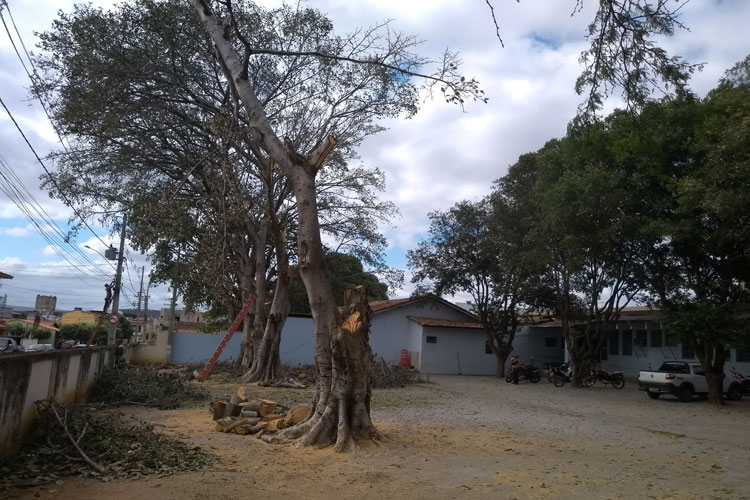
{"points": [[44, 167], [24, 200], [33, 77]]}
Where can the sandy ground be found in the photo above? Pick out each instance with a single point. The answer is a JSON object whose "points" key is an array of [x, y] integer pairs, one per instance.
{"points": [[468, 438]]}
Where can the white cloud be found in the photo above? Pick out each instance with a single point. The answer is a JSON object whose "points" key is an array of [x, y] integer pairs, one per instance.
{"points": [[16, 232], [442, 155]]}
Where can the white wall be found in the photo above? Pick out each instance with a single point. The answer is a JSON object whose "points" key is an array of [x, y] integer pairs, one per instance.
{"points": [[651, 358], [457, 351], [390, 329], [531, 341]]}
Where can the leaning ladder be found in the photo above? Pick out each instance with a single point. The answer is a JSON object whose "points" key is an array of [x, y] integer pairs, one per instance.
{"points": [[227, 337]]}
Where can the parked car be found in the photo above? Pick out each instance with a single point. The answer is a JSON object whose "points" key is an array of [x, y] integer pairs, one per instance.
{"points": [[8, 344], [40, 347], [683, 380]]}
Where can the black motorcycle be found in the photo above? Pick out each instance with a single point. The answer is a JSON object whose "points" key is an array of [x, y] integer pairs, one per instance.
{"points": [[560, 374], [526, 372], [617, 379]]}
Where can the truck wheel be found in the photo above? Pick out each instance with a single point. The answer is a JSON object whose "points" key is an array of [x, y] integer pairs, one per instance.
{"points": [[686, 393], [735, 392], [653, 395]]}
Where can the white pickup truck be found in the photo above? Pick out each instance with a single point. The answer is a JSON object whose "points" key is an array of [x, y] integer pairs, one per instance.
{"points": [[683, 380]]}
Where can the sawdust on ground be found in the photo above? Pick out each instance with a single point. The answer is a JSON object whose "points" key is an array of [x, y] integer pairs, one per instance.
{"points": [[468, 438]]}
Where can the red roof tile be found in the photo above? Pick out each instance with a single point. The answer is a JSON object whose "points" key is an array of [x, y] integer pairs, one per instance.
{"points": [[445, 323], [381, 305]]}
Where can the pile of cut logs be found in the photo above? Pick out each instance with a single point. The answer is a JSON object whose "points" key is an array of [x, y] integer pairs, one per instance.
{"points": [[257, 417]]}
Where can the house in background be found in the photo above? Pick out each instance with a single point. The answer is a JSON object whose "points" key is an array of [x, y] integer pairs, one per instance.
{"points": [[439, 337], [640, 341], [78, 315]]}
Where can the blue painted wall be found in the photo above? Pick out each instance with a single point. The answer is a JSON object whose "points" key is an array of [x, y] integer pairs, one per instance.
{"points": [[297, 345]]}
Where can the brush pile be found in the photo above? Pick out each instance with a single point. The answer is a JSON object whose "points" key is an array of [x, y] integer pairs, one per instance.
{"points": [[165, 388], [88, 441]]}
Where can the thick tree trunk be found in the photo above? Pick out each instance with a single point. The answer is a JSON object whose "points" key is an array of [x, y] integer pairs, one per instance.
{"points": [[342, 409], [712, 358], [342, 356], [267, 363], [501, 355]]}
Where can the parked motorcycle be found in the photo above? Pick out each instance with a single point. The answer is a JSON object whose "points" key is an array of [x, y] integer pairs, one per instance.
{"points": [[527, 372], [617, 379], [743, 380], [560, 375]]}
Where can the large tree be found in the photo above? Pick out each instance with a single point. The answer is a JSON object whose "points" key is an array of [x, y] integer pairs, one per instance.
{"points": [[480, 249], [698, 264], [156, 132]]}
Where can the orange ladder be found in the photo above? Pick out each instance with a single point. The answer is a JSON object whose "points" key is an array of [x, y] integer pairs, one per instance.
{"points": [[227, 337]]}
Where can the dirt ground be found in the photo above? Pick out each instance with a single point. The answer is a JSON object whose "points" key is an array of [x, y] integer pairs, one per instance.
{"points": [[467, 437]]}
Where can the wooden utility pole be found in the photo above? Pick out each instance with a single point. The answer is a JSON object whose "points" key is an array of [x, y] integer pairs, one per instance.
{"points": [[111, 336]]}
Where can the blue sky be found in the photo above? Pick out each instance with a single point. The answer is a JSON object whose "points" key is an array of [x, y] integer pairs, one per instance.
{"points": [[441, 156]]}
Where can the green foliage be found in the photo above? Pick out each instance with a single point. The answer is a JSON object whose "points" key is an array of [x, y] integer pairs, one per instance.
{"points": [[345, 272], [80, 332], [17, 329]]}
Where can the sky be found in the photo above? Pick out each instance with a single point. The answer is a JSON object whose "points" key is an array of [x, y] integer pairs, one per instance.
{"points": [[439, 157]]}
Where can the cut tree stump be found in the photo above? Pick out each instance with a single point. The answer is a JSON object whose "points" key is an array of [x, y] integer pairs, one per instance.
{"points": [[218, 409]]}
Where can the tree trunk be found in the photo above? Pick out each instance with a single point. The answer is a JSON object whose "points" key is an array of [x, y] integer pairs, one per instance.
{"points": [[342, 355], [342, 404], [267, 363], [712, 358], [501, 355]]}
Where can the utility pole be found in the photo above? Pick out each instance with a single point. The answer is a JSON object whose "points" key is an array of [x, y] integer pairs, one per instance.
{"points": [[140, 296], [145, 306], [140, 292], [111, 337], [173, 305]]}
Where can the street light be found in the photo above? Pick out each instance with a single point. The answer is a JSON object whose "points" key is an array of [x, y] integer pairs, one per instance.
{"points": [[109, 254]]}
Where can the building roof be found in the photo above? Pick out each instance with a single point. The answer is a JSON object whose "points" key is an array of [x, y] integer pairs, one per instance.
{"points": [[378, 306], [5, 276], [47, 325], [382, 305], [445, 323]]}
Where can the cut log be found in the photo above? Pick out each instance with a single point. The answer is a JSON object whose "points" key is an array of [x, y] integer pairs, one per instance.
{"points": [[251, 406], [235, 424], [218, 408], [241, 394], [247, 429], [296, 415], [222, 423], [249, 413], [233, 407], [266, 407]]}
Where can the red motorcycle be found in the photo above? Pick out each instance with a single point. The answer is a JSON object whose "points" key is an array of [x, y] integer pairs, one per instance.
{"points": [[526, 372], [617, 379]]}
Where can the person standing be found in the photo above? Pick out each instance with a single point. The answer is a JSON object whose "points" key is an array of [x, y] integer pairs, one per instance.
{"points": [[516, 367]]}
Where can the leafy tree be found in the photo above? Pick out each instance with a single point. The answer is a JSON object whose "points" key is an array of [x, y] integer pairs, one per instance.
{"points": [[158, 134], [345, 272], [698, 263], [586, 227], [479, 249]]}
